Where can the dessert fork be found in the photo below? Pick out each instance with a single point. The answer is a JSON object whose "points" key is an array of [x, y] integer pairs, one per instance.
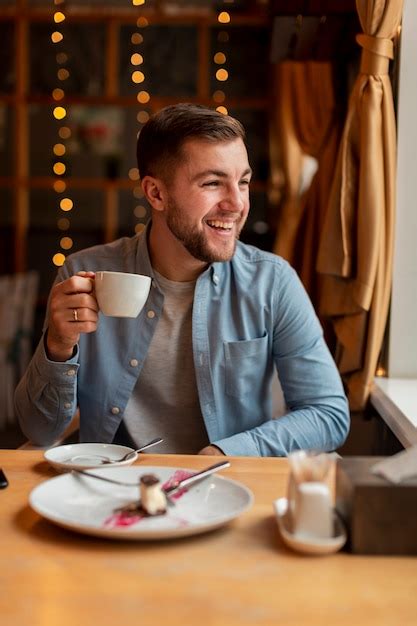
{"points": [[167, 490]]}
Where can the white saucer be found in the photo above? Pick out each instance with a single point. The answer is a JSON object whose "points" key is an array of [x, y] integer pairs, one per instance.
{"points": [[85, 455], [301, 544]]}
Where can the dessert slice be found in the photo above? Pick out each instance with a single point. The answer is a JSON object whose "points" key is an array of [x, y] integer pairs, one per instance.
{"points": [[152, 497]]}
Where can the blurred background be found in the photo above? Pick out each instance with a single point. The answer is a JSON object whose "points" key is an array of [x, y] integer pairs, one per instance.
{"points": [[79, 79]]}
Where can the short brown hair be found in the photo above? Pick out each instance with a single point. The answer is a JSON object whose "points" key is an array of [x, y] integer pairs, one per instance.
{"points": [[162, 137]]}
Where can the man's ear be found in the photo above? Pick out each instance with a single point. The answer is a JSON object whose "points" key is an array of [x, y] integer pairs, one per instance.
{"points": [[154, 190]]}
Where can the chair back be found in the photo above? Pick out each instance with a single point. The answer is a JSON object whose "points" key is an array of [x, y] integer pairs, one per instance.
{"points": [[18, 297]]}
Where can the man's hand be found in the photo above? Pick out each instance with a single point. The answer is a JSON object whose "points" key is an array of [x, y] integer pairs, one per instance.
{"points": [[212, 451], [73, 310]]}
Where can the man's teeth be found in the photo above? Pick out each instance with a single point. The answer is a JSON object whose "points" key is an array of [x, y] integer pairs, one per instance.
{"points": [[218, 224]]}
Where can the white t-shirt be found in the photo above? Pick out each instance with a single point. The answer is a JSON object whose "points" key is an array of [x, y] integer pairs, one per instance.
{"points": [[165, 400]]}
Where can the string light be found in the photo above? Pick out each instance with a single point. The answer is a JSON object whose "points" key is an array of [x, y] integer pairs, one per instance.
{"points": [[133, 173], [66, 243], [59, 168], [58, 259], [63, 223], [142, 22], [64, 132], [59, 150], [59, 113], [222, 74], [136, 59], [66, 204], [62, 74], [219, 96], [58, 94], [58, 17], [59, 186], [143, 98], [220, 58], [56, 37], [138, 77], [140, 211], [136, 39], [61, 58], [224, 17]]}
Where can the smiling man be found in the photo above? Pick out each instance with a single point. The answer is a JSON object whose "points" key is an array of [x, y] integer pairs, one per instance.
{"points": [[221, 320], [200, 213]]}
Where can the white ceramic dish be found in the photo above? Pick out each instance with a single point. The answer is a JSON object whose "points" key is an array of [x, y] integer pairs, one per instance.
{"points": [[87, 455], [88, 505], [308, 546]]}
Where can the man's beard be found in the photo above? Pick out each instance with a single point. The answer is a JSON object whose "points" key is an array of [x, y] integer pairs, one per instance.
{"points": [[195, 241]]}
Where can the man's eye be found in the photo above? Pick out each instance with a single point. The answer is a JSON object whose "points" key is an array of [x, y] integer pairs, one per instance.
{"points": [[245, 182], [211, 183]]}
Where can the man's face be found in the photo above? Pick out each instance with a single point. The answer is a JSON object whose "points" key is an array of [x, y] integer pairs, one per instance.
{"points": [[208, 198]]}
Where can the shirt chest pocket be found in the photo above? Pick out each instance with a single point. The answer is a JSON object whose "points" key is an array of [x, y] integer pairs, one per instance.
{"points": [[245, 365]]}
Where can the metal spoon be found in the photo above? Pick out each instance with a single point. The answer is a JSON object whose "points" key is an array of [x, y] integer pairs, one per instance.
{"points": [[132, 452]]}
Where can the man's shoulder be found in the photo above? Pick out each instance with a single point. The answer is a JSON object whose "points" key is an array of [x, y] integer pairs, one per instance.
{"points": [[261, 275], [117, 255], [251, 255]]}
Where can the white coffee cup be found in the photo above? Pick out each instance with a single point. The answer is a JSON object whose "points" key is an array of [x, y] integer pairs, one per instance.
{"points": [[120, 294]]}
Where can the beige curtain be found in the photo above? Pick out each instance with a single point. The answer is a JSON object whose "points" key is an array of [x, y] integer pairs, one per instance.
{"points": [[306, 124], [291, 159], [357, 239]]}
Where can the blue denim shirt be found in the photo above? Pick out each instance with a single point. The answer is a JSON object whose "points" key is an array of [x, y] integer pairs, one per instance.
{"points": [[250, 315]]}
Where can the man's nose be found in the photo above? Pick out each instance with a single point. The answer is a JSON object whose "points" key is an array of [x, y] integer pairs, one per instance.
{"points": [[233, 199]]}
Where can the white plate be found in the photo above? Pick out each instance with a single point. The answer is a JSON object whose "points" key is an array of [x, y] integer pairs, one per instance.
{"points": [[87, 455], [308, 546], [88, 505]]}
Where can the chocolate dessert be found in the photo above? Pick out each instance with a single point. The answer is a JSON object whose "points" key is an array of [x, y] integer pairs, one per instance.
{"points": [[152, 501], [152, 497]]}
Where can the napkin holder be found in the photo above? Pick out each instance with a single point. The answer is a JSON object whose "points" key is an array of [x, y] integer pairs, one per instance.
{"points": [[380, 516]]}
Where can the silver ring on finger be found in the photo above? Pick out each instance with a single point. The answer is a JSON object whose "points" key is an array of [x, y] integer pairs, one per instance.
{"points": [[75, 315]]}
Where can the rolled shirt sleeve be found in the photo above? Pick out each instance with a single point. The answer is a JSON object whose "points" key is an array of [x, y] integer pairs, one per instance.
{"points": [[46, 397]]}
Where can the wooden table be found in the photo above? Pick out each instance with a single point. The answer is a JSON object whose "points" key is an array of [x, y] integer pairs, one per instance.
{"points": [[240, 574]]}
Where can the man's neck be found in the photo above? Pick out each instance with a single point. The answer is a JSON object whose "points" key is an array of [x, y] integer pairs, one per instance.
{"points": [[169, 257]]}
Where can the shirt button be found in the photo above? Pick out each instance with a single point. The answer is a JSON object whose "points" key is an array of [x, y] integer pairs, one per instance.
{"points": [[134, 362], [215, 279], [71, 372], [151, 314], [115, 410], [67, 405]]}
